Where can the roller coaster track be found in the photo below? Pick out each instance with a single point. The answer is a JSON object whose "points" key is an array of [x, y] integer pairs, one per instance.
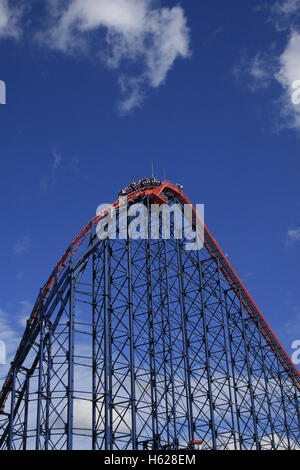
{"points": [[158, 195]]}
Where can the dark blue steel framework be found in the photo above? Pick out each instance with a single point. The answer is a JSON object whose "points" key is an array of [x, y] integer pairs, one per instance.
{"points": [[143, 344]]}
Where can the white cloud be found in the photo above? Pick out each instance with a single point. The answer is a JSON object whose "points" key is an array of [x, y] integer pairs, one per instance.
{"points": [[285, 13], [57, 166], [288, 74], [7, 332], [257, 72], [283, 68], [288, 7], [11, 337], [9, 19], [137, 33], [25, 312], [12, 325], [57, 159], [21, 246], [132, 91], [45, 182], [140, 36], [294, 235]]}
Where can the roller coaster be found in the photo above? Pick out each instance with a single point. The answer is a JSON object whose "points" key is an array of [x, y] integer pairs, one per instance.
{"points": [[136, 344]]}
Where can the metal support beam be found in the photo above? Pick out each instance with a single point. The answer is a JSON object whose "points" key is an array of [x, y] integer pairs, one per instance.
{"points": [[185, 340], [132, 346], [107, 349], [70, 358]]}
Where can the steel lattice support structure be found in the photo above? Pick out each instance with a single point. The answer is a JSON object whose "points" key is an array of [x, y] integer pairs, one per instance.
{"points": [[136, 344]]}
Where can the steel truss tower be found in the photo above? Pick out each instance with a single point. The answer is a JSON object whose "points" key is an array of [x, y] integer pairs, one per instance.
{"points": [[136, 344]]}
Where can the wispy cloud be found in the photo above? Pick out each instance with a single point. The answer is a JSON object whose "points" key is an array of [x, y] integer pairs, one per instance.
{"points": [[10, 335], [287, 7], [7, 332], [57, 167], [10, 16], [213, 34], [292, 328], [293, 235], [12, 324], [137, 33], [141, 39], [21, 246], [73, 164], [292, 312], [256, 72], [132, 89], [247, 275], [57, 159], [284, 14], [282, 68], [288, 74], [46, 182], [24, 312]]}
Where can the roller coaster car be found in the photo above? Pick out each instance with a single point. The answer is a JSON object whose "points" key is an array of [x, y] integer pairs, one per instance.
{"points": [[144, 182]]}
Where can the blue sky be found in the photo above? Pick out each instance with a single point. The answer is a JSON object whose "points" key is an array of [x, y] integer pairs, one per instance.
{"points": [[95, 90]]}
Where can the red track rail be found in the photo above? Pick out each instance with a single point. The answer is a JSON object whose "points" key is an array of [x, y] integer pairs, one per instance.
{"points": [[158, 194]]}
